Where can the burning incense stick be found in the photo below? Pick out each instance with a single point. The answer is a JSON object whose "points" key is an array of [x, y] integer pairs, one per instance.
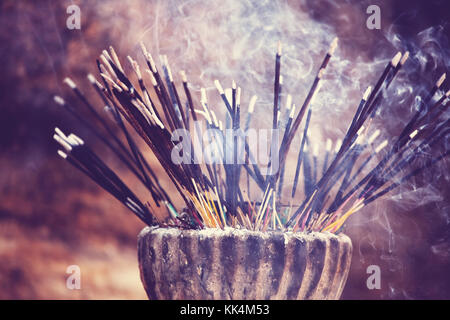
{"points": [[211, 192]]}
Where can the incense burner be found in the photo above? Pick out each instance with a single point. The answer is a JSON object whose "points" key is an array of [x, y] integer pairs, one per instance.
{"points": [[242, 264]]}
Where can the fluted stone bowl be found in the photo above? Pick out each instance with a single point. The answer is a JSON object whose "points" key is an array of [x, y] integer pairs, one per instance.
{"points": [[242, 264]]}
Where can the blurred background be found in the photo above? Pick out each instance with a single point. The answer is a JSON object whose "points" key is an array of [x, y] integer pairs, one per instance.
{"points": [[52, 217]]}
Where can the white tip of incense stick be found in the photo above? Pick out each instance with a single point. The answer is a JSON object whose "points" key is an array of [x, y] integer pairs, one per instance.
{"points": [[279, 48], [328, 145], [288, 102], [292, 113], [152, 78], [115, 58], [124, 87], [183, 76], [72, 141], [367, 93], [233, 84], [316, 150], [62, 154], [396, 59], [447, 93], [333, 46], [106, 54], [91, 78], [104, 59], [203, 97], [151, 61], [76, 138], [130, 59], [60, 133], [251, 106], [374, 136], [220, 125], [441, 80], [360, 131], [281, 80], [162, 58], [59, 100], [137, 70], [381, 146], [228, 94], [238, 96], [338, 145], [63, 143], [70, 83], [108, 65], [404, 58], [413, 134], [218, 86], [305, 148], [143, 48]]}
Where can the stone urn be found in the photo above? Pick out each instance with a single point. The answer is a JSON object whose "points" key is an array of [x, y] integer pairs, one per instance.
{"points": [[242, 264]]}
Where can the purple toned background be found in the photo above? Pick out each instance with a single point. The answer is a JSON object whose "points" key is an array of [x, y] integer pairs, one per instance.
{"points": [[52, 217]]}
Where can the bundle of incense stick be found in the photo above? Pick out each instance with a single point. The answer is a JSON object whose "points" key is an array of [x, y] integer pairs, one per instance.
{"points": [[212, 194]]}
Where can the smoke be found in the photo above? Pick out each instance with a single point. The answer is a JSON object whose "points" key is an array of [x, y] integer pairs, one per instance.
{"points": [[236, 40]]}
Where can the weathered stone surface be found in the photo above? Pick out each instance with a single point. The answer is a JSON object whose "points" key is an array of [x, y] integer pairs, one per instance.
{"points": [[242, 264]]}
